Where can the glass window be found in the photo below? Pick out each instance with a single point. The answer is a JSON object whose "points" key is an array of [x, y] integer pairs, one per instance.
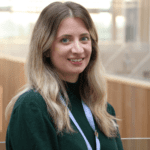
{"points": [[103, 25]]}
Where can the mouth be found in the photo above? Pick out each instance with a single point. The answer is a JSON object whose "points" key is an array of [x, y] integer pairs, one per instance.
{"points": [[76, 60]]}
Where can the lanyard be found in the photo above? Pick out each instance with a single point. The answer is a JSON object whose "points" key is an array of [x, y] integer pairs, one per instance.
{"points": [[90, 119]]}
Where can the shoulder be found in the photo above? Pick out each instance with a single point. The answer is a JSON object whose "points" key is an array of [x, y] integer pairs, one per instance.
{"points": [[110, 109], [30, 98]]}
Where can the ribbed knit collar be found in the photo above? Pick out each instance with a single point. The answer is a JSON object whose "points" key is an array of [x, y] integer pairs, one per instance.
{"points": [[72, 88]]}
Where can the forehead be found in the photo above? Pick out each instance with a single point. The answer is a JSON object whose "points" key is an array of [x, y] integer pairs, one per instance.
{"points": [[71, 26]]}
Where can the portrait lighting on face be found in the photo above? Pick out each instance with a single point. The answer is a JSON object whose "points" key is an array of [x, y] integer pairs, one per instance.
{"points": [[71, 50]]}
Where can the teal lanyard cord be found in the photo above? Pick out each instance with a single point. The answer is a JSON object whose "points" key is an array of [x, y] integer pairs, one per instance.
{"points": [[90, 119]]}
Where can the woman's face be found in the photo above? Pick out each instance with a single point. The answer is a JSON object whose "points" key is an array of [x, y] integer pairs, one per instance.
{"points": [[71, 50]]}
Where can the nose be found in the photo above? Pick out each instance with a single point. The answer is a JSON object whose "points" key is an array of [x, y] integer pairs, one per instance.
{"points": [[77, 47]]}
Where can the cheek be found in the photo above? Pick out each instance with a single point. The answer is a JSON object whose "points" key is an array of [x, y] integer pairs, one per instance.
{"points": [[89, 49], [56, 52]]}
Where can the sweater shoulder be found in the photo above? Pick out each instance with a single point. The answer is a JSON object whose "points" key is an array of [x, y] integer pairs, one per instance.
{"points": [[30, 97], [110, 109]]}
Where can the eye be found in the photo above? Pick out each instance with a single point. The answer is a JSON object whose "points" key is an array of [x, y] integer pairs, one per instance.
{"points": [[84, 38], [64, 40]]}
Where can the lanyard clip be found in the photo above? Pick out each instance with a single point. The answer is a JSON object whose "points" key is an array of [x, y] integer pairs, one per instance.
{"points": [[96, 133]]}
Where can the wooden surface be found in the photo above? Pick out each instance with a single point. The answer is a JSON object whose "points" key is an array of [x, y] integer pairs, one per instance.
{"points": [[1, 108], [2, 146], [131, 100], [136, 144], [12, 78]]}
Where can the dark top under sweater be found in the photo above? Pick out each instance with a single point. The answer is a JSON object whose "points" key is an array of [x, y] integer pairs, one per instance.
{"points": [[32, 128]]}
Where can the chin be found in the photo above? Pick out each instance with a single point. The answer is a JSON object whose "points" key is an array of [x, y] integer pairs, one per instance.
{"points": [[79, 71]]}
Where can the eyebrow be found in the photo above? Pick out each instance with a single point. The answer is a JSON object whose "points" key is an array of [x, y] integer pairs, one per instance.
{"points": [[67, 35], [85, 34]]}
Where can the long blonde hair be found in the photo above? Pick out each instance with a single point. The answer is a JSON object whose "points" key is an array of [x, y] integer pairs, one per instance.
{"points": [[43, 78]]}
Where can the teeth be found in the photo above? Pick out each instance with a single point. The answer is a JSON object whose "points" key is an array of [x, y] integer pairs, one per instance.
{"points": [[75, 60]]}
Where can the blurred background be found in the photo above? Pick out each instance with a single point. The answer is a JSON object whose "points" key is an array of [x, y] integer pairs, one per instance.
{"points": [[123, 28]]}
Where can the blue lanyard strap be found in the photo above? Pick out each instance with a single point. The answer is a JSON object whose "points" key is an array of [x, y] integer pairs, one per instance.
{"points": [[90, 119], [75, 122]]}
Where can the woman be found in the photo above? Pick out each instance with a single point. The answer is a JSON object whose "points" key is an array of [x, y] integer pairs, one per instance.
{"points": [[65, 89]]}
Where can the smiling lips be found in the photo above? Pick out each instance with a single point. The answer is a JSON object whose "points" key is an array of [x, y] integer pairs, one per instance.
{"points": [[76, 60]]}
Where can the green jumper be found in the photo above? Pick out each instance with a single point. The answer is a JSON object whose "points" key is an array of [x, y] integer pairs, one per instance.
{"points": [[32, 128]]}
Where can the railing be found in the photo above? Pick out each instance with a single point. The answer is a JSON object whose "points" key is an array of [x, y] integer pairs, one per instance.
{"points": [[11, 79], [2, 145], [136, 143], [1, 108], [131, 100]]}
